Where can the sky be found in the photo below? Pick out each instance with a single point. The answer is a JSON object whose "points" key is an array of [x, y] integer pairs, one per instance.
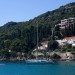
{"points": [[24, 10]]}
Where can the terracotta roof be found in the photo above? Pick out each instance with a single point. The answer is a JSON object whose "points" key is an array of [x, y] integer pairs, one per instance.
{"points": [[68, 38]]}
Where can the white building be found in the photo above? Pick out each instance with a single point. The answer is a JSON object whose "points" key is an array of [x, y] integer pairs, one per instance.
{"points": [[43, 47], [67, 40], [62, 42], [66, 22]]}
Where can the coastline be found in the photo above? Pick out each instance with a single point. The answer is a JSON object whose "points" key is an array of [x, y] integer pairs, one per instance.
{"points": [[24, 60]]}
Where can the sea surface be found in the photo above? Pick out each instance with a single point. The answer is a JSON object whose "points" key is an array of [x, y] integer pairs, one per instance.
{"points": [[21, 68]]}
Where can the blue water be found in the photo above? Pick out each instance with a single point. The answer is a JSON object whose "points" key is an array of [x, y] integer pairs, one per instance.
{"points": [[20, 68]]}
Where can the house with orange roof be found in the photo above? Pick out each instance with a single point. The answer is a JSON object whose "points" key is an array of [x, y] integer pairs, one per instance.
{"points": [[70, 40], [67, 40]]}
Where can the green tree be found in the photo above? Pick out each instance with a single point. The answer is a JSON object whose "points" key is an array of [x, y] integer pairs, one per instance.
{"points": [[52, 45], [55, 56], [4, 54]]}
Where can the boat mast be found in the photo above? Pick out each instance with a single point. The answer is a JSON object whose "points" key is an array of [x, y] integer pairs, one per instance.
{"points": [[37, 41]]}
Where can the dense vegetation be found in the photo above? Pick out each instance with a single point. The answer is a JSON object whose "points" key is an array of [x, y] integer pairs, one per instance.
{"points": [[52, 45], [21, 36]]}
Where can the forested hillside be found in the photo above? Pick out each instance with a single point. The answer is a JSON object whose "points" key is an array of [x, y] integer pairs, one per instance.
{"points": [[21, 36]]}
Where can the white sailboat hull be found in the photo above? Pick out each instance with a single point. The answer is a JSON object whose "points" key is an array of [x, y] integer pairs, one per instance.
{"points": [[35, 61]]}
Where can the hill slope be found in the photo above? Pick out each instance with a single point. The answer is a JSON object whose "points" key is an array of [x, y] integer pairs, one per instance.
{"points": [[21, 36]]}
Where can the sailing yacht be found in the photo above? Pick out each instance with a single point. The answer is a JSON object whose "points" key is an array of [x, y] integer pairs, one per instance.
{"points": [[44, 61]]}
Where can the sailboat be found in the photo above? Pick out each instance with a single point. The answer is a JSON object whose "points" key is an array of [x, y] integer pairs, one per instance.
{"points": [[36, 60]]}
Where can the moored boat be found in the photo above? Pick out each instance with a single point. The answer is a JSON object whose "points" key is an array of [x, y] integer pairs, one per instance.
{"points": [[39, 61]]}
